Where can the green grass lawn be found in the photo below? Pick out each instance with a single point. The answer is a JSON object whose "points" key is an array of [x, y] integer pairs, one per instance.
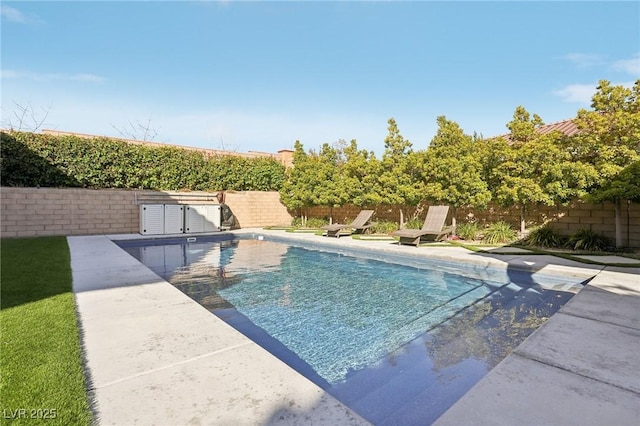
{"points": [[41, 375]]}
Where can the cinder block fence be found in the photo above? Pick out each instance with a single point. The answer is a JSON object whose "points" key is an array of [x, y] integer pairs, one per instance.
{"points": [[73, 211], [53, 211], [577, 215]]}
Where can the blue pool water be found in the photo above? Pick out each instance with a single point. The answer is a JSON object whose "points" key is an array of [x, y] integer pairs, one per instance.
{"points": [[398, 343]]}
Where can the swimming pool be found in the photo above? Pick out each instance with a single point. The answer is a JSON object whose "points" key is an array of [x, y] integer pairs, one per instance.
{"points": [[396, 339]]}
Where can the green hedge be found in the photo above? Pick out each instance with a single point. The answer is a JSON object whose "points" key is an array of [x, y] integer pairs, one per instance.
{"points": [[29, 159]]}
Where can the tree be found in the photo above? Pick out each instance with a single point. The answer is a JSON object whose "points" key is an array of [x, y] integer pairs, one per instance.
{"points": [[452, 170], [492, 153], [296, 192], [523, 127], [328, 186], [25, 118], [315, 179], [609, 140], [399, 176], [625, 185], [360, 176], [138, 131], [535, 167]]}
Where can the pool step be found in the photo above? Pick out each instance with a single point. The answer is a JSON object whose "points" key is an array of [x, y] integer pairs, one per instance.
{"points": [[406, 387]]}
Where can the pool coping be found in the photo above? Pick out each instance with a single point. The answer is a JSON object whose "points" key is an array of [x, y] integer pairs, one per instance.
{"points": [[152, 353]]}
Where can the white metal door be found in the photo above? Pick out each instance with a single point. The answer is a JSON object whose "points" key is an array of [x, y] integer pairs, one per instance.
{"points": [[193, 219], [151, 219], [211, 218], [173, 219]]}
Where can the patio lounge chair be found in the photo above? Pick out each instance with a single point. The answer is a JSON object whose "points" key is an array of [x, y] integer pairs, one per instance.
{"points": [[433, 226], [359, 224]]}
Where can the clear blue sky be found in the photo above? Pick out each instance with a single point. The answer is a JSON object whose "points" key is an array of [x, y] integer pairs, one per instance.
{"points": [[257, 76]]}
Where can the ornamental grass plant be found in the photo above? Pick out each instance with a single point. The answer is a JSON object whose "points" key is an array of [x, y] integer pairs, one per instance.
{"points": [[468, 231], [585, 239], [499, 232], [545, 236]]}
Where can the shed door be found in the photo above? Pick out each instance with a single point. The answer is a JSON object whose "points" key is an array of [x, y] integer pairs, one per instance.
{"points": [[173, 219]]}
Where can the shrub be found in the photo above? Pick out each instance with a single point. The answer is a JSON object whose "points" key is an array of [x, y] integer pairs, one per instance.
{"points": [[312, 222], [30, 159], [586, 239], [413, 223], [468, 230], [316, 222], [544, 236], [384, 227], [499, 232]]}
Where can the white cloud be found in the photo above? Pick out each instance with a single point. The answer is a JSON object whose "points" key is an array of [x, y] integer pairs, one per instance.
{"points": [[630, 66], [582, 93], [578, 93], [588, 60], [14, 15], [585, 60], [47, 77], [627, 84]]}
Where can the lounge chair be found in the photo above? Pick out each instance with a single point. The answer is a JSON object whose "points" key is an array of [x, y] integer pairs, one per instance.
{"points": [[433, 226], [359, 224]]}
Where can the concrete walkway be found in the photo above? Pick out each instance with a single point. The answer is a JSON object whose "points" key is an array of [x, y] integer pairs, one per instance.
{"points": [[580, 368], [157, 357]]}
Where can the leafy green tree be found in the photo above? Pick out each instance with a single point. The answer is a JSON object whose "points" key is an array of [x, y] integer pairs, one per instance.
{"points": [[609, 135], [360, 173], [534, 167], [329, 186], [609, 140], [523, 127], [452, 169], [315, 179], [491, 154], [399, 178], [625, 185], [297, 190]]}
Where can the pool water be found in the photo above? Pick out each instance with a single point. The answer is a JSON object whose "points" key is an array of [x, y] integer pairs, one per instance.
{"points": [[398, 343]]}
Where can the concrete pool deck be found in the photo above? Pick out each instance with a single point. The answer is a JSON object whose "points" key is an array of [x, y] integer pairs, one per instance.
{"points": [[154, 356]]}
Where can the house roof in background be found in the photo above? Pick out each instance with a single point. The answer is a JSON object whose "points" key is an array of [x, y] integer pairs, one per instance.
{"points": [[568, 127]]}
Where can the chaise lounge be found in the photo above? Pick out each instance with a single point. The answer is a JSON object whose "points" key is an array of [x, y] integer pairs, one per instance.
{"points": [[433, 226], [359, 224]]}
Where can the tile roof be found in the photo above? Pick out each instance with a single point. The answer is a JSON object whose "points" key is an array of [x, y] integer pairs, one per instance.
{"points": [[568, 127]]}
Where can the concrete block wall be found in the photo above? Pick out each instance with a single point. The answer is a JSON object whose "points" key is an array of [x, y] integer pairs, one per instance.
{"points": [[568, 219], [257, 209], [28, 212], [73, 211], [600, 218]]}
